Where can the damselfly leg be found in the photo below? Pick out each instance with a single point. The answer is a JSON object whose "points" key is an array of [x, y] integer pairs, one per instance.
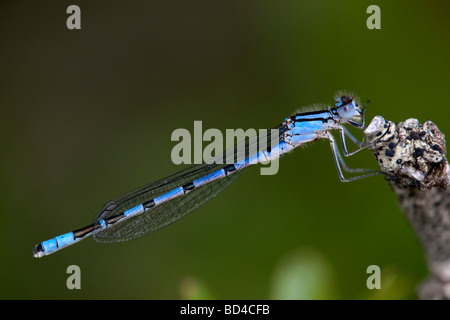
{"points": [[339, 160]]}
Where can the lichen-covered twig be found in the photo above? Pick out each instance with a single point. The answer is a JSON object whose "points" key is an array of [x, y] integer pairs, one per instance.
{"points": [[412, 156]]}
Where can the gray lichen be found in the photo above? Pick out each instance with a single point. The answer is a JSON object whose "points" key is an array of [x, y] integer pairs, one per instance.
{"points": [[412, 156]]}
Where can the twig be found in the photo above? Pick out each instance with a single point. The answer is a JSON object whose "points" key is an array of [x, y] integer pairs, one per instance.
{"points": [[412, 156]]}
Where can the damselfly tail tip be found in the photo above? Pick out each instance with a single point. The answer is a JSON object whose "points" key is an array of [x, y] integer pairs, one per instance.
{"points": [[38, 251]]}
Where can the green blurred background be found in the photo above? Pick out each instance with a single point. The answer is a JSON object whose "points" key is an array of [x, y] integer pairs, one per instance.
{"points": [[87, 115]]}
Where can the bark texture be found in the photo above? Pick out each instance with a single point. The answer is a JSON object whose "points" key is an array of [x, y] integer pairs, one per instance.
{"points": [[412, 156]]}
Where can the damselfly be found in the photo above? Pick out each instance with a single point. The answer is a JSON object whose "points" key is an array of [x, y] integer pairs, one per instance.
{"points": [[158, 204]]}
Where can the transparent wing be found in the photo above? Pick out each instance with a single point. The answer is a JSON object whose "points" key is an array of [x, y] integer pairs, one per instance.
{"points": [[170, 211], [166, 213]]}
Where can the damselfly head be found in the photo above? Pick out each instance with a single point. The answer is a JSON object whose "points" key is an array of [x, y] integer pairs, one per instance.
{"points": [[348, 108]]}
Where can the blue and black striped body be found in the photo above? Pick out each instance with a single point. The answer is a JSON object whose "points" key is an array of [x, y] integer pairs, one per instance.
{"points": [[165, 201]]}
